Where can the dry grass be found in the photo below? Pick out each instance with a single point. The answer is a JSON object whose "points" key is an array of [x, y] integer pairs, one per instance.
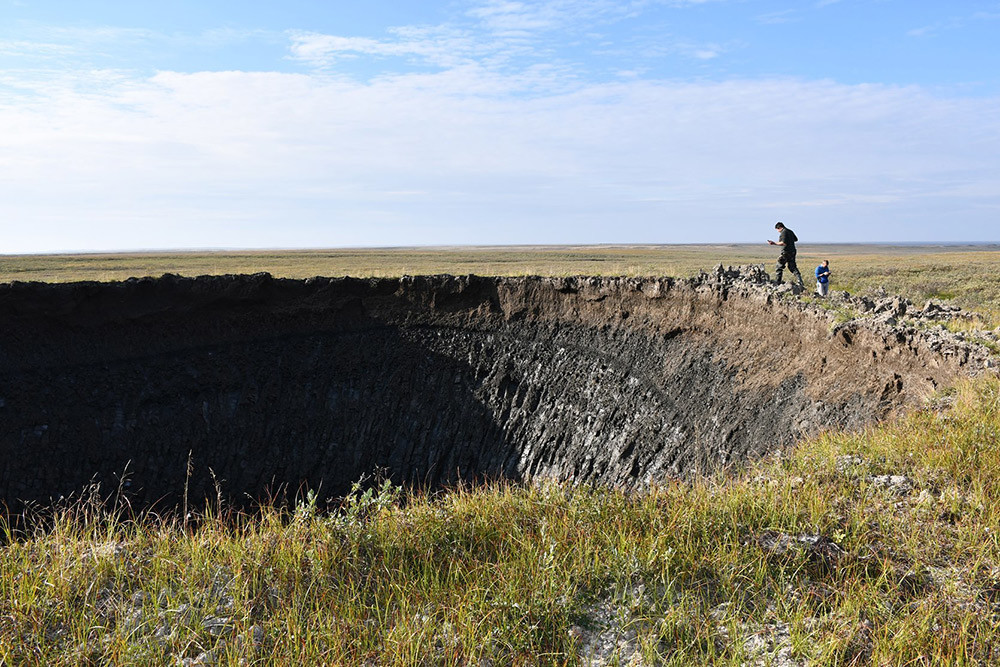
{"points": [[965, 275], [873, 548]]}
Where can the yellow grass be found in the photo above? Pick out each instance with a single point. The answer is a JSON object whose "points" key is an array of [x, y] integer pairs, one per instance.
{"points": [[965, 275]]}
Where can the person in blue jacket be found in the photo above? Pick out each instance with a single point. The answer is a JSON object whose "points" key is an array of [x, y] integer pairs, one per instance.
{"points": [[823, 278]]}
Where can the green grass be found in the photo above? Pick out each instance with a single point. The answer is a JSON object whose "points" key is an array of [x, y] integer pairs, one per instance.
{"points": [[710, 571]]}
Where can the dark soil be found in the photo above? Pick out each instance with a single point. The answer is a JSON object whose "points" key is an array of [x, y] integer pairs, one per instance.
{"points": [[279, 385]]}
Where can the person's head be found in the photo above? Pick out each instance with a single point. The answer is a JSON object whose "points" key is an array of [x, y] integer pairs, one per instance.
{"points": [[826, 262], [780, 225]]}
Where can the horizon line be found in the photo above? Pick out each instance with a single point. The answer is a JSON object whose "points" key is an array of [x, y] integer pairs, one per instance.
{"points": [[255, 249]]}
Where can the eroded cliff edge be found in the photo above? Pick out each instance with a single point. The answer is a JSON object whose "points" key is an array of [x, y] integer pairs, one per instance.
{"points": [[271, 383]]}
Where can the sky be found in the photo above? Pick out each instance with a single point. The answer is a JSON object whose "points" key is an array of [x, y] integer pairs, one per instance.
{"points": [[199, 124]]}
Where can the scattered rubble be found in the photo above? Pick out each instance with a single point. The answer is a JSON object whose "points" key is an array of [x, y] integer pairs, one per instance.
{"points": [[900, 485], [819, 550], [611, 637], [893, 315]]}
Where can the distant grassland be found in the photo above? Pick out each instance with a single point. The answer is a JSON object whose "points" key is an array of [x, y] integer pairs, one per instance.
{"points": [[965, 275]]}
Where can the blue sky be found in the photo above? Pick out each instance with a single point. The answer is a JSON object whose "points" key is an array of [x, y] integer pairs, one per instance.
{"points": [[127, 125]]}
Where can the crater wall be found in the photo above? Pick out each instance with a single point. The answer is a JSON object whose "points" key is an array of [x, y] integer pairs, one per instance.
{"points": [[272, 384]]}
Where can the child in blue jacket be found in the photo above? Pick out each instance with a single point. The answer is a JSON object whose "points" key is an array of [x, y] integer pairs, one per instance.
{"points": [[823, 278]]}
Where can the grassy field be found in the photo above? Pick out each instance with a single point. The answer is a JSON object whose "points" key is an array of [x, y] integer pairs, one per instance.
{"points": [[875, 548], [963, 274], [880, 547]]}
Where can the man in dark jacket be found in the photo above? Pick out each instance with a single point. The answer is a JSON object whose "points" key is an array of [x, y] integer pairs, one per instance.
{"points": [[786, 239]]}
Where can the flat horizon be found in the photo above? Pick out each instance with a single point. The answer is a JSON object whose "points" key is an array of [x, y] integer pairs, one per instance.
{"points": [[501, 246]]}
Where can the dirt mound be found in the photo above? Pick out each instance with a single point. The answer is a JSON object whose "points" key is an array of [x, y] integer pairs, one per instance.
{"points": [[269, 383]]}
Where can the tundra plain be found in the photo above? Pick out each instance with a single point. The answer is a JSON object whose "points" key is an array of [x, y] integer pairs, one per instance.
{"points": [[874, 546], [963, 274]]}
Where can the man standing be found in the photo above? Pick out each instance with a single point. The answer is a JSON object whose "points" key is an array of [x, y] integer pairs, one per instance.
{"points": [[786, 239], [823, 278]]}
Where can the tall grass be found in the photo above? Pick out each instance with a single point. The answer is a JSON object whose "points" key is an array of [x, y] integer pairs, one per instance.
{"points": [[879, 547]]}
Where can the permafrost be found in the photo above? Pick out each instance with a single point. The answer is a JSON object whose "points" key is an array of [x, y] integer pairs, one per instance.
{"points": [[280, 385]]}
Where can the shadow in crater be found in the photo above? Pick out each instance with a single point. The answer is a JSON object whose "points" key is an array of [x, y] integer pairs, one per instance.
{"points": [[263, 416], [269, 387]]}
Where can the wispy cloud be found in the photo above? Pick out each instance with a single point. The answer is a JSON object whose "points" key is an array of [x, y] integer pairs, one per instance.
{"points": [[941, 26], [508, 35], [484, 129], [775, 18], [954, 23], [663, 48], [515, 18], [441, 46], [35, 49], [512, 36], [101, 47], [69, 45], [218, 158], [512, 17]]}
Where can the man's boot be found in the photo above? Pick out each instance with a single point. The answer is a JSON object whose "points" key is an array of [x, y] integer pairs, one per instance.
{"points": [[777, 275], [799, 276]]}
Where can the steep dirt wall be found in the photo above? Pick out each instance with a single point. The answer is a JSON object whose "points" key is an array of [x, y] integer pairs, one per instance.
{"points": [[282, 383]]}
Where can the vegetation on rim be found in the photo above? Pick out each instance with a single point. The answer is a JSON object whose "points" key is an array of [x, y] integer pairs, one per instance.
{"points": [[964, 275]]}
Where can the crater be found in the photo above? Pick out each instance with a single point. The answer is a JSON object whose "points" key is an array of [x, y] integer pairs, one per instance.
{"points": [[272, 385]]}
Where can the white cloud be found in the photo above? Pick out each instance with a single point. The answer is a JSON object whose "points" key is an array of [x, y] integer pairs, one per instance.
{"points": [[79, 47], [462, 156], [441, 46], [775, 18], [953, 23], [499, 33], [507, 16], [475, 133], [707, 53], [923, 30], [27, 48], [514, 18]]}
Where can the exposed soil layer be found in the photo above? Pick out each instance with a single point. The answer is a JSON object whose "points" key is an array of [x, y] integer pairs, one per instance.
{"points": [[273, 384]]}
